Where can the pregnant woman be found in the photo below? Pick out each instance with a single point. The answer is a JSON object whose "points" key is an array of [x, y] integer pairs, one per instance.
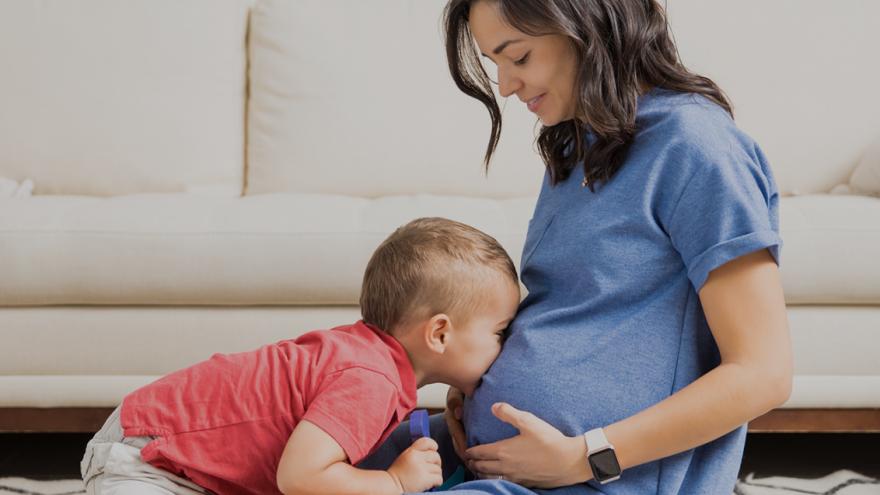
{"points": [[654, 326]]}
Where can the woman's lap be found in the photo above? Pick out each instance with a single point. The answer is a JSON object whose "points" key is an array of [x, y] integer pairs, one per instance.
{"points": [[399, 440], [490, 487]]}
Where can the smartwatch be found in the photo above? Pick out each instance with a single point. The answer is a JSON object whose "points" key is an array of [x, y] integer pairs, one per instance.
{"points": [[601, 457]]}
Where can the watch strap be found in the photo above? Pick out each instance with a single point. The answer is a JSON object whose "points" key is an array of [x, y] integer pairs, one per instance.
{"points": [[601, 457], [596, 440]]}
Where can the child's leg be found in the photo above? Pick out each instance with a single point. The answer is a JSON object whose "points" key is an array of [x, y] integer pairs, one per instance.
{"points": [[112, 465], [107, 484], [399, 441]]}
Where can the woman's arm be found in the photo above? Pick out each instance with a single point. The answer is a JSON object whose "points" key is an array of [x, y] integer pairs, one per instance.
{"points": [[313, 463], [745, 309]]}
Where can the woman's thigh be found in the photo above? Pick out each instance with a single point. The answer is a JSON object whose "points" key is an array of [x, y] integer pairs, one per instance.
{"points": [[490, 487], [399, 440]]}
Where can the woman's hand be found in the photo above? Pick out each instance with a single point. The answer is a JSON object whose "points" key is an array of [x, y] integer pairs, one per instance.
{"points": [[540, 456], [454, 409]]}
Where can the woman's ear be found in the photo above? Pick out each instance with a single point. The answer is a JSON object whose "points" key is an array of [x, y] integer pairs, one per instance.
{"points": [[438, 332]]}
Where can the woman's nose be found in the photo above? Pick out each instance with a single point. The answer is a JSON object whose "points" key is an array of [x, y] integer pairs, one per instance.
{"points": [[507, 85]]}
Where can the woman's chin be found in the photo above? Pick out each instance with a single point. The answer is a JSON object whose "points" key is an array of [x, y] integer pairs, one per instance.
{"points": [[548, 121]]}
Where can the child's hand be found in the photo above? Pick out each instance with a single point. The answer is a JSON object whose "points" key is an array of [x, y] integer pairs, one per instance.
{"points": [[418, 469]]}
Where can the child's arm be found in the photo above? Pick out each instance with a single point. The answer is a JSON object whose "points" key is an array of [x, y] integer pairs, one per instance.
{"points": [[313, 463]]}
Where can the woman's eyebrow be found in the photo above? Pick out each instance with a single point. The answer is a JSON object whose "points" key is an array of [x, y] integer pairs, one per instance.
{"points": [[500, 48]]}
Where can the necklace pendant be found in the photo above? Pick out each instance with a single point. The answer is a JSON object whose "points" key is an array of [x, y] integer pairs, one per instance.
{"points": [[584, 182]]}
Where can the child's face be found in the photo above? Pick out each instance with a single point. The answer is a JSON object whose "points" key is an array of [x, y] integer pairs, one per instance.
{"points": [[475, 345]]}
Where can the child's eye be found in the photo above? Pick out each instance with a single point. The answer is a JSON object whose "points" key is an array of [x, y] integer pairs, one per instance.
{"points": [[523, 60]]}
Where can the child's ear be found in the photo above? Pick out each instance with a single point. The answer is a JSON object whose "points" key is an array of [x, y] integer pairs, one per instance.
{"points": [[437, 332]]}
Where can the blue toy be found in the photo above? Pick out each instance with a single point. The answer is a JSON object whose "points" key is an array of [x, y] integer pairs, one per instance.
{"points": [[418, 425]]}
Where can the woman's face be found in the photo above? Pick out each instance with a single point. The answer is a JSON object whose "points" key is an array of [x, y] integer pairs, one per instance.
{"points": [[540, 71]]}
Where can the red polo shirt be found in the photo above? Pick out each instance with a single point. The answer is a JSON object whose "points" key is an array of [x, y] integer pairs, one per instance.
{"points": [[223, 423]]}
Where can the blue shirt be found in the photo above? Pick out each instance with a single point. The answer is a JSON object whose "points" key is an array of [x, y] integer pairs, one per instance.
{"points": [[612, 323]]}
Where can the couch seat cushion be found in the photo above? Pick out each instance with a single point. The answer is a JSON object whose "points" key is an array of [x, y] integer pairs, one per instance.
{"points": [[184, 249], [831, 249], [307, 249]]}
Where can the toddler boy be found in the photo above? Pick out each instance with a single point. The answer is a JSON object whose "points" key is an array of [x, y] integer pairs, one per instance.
{"points": [[297, 416]]}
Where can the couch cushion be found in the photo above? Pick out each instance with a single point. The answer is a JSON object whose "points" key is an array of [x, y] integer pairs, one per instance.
{"points": [[41, 366], [355, 98], [337, 83], [180, 249], [312, 249], [830, 252], [796, 72], [45, 367], [105, 97]]}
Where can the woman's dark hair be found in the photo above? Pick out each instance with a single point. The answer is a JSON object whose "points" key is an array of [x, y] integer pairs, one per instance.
{"points": [[620, 45]]}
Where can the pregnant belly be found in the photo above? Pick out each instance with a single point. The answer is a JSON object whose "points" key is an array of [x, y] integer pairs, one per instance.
{"points": [[574, 388]]}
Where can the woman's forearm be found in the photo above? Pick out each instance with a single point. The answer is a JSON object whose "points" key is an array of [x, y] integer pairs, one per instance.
{"points": [[713, 405], [710, 407], [754, 376]]}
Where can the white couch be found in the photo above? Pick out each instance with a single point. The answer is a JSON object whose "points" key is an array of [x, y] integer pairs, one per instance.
{"points": [[212, 175]]}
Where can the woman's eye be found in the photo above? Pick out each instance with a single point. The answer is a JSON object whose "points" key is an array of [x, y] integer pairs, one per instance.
{"points": [[523, 60]]}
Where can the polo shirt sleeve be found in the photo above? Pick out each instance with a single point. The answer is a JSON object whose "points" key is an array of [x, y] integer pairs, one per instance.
{"points": [[728, 207], [354, 406]]}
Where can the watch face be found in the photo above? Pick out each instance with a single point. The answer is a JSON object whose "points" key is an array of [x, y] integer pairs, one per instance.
{"points": [[604, 465]]}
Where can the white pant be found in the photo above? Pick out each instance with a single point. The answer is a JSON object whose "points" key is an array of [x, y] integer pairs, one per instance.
{"points": [[112, 465]]}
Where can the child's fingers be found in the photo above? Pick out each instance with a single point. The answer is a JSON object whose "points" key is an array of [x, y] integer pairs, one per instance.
{"points": [[425, 443], [433, 458]]}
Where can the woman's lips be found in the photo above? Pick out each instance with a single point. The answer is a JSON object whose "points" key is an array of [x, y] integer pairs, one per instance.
{"points": [[535, 102]]}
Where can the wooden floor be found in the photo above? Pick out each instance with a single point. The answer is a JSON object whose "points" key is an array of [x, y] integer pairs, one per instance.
{"points": [[86, 420]]}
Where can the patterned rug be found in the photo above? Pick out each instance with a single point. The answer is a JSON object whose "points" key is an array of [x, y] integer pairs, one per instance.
{"points": [[839, 483], [24, 486]]}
